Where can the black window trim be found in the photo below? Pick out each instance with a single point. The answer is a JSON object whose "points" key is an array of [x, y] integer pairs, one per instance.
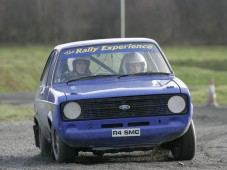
{"points": [[48, 63]]}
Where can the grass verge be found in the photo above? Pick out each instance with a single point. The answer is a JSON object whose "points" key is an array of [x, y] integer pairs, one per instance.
{"points": [[16, 112], [196, 66]]}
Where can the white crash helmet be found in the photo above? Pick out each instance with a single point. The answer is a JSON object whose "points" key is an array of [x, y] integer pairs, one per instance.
{"points": [[72, 61], [132, 58]]}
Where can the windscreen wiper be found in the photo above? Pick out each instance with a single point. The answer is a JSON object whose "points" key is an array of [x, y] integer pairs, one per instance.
{"points": [[92, 77], [153, 73], [145, 73]]}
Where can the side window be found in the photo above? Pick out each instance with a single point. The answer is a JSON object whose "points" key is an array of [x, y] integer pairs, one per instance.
{"points": [[46, 69], [51, 69]]}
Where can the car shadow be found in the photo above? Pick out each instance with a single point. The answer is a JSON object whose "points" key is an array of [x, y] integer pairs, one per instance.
{"points": [[136, 157], [87, 158]]}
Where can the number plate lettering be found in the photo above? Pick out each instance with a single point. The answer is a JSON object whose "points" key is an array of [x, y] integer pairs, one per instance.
{"points": [[125, 132]]}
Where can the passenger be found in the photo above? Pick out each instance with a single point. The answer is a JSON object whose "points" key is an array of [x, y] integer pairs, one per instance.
{"points": [[133, 63]]}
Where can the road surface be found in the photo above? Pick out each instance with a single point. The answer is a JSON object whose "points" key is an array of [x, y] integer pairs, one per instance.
{"points": [[18, 151]]}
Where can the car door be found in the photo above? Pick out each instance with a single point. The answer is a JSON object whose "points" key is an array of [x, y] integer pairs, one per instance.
{"points": [[42, 103]]}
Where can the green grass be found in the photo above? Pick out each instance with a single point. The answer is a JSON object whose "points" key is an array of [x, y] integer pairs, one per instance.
{"points": [[16, 112], [196, 66], [21, 67]]}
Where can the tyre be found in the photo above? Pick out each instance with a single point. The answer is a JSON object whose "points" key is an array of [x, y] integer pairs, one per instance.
{"points": [[60, 151], [98, 153], [184, 147], [44, 145]]}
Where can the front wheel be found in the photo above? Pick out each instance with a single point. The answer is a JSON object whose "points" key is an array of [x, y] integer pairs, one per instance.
{"points": [[184, 147], [60, 151]]}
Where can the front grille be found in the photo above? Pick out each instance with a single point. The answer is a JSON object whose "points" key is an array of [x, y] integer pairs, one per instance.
{"points": [[140, 106]]}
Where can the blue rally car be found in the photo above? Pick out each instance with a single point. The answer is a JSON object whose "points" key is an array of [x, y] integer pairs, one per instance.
{"points": [[112, 95]]}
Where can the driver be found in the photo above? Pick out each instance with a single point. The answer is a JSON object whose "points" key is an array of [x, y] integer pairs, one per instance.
{"points": [[133, 63], [81, 66]]}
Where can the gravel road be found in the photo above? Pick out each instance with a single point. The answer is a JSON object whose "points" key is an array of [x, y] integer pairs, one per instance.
{"points": [[18, 151]]}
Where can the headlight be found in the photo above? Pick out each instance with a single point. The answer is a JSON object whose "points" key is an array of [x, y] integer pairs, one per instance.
{"points": [[72, 110], [176, 104]]}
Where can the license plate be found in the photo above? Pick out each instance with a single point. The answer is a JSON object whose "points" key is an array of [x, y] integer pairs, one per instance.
{"points": [[125, 132]]}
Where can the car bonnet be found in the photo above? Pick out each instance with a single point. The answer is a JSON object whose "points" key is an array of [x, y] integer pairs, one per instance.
{"points": [[114, 87]]}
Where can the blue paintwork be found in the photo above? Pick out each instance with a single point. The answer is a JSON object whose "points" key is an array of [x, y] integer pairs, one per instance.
{"points": [[89, 133]]}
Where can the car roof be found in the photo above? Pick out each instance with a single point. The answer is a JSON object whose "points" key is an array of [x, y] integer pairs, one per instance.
{"points": [[103, 41]]}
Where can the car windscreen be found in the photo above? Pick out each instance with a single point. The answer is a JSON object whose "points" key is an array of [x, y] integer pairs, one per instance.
{"points": [[109, 60]]}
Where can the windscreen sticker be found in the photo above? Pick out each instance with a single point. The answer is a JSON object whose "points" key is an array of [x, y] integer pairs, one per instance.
{"points": [[90, 50]]}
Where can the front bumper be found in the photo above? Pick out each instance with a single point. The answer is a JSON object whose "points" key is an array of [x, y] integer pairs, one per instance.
{"points": [[97, 134]]}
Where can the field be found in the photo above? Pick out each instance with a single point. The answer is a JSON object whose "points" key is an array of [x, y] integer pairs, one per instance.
{"points": [[21, 67], [196, 66], [16, 112]]}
